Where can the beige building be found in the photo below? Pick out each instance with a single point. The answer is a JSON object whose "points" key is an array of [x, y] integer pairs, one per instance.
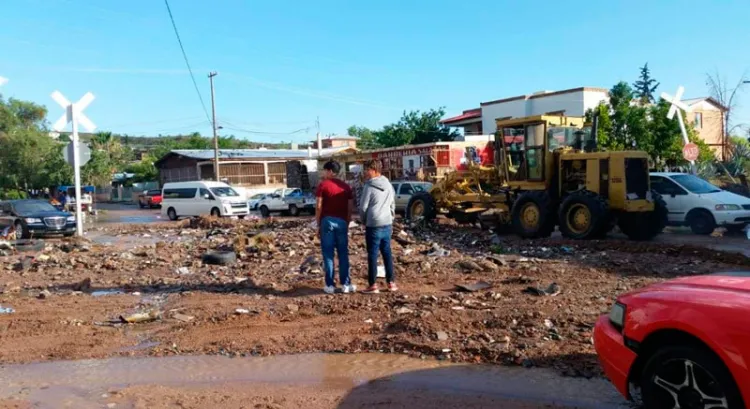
{"points": [[707, 116]]}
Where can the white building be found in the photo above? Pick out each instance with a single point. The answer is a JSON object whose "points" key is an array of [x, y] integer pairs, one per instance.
{"points": [[569, 102]]}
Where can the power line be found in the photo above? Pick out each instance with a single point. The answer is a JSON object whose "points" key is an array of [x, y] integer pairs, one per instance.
{"points": [[256, 132], [187, 63]]}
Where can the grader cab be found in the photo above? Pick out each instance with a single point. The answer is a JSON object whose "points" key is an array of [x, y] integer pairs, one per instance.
{"points": [[549, 173]]}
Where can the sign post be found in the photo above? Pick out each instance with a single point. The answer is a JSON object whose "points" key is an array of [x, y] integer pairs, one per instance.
{"points": [[690, 150], [74, 115]]}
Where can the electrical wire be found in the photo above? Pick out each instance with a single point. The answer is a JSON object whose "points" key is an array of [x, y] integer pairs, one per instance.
{"points": [[256, 132], [187, 62]]}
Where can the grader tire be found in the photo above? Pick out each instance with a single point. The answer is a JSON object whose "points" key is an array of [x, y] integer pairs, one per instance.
{"points": [[421, 206], [532, 216], [584, 215], [645, 225]]}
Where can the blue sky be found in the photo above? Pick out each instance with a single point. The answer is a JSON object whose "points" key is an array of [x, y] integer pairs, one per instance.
{"points": [[283, 63]]}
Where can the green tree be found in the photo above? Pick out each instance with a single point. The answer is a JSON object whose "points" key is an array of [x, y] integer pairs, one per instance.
{"points": [[144, 169], [366, 136], [29, 158], [108, 156], [645, 86], [416, 127]]}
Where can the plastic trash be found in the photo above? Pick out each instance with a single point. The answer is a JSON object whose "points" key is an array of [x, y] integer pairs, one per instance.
{"points": [[6, 310], [381, 271], [438, 251]]}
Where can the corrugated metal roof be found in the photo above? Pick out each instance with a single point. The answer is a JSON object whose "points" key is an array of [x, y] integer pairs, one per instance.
{"points": [[208, 154]]}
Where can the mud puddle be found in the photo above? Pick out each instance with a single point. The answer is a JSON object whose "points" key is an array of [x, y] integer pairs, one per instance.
{"points": [[93, 383]]}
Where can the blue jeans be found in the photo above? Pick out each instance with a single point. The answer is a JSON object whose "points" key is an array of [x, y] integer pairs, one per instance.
{"points": [[334, 235], [378, 240]]}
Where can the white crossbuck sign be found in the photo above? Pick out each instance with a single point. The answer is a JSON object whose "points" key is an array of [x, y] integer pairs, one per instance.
{"points": [[70, 109]]}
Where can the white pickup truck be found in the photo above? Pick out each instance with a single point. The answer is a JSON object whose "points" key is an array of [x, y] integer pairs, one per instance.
{"points": [[287, 200]]}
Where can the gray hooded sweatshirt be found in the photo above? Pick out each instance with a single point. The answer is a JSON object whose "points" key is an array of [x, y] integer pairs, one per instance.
{"points": [[377, 206]]}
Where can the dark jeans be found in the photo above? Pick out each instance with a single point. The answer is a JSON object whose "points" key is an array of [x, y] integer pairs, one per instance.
{"points": [[334, 235], [378, 240]]}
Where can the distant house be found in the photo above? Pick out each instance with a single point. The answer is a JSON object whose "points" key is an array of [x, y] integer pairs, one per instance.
{"points": [[337, 142], [569, 102], [708, 118], [253, 169]]}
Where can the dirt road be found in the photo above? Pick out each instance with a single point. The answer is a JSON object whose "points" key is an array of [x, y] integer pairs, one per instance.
{"points": [[70, 300]]}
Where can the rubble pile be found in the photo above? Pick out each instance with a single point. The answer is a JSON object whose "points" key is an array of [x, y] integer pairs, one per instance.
{"points": [[466, 295]]}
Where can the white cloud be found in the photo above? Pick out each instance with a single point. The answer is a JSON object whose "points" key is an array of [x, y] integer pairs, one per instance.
{"points": [[3, 81]]}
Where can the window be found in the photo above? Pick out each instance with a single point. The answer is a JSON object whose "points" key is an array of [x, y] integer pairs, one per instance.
{"points": [[154, 192], [187, 193], [406, 189], [535, 162], [277, 173], [411, 163], [534, 135], [695, 184], [665, 187], [223, 192], [698, 120]]}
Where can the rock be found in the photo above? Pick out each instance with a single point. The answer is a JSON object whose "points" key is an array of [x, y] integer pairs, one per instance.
{"points": [[403, 310], [292, 307], [182, 317], [469, 265], [44, 294], [441, 336], [83, 285], [183, 271], [487, 265], [42, 258]]}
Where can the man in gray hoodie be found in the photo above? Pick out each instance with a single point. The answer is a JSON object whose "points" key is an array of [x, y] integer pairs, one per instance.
{"points": [[377, 209]]}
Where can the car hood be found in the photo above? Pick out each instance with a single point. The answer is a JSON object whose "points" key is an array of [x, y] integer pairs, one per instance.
{"points": [[733, 281], [725, 197], [40, 215]]}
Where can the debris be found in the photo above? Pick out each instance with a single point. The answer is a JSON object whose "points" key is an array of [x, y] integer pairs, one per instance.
{"points": [[497, 260], [403, 310], [152, 315], [23, 264], [381, 271], [474, 287], [183, 271], [551, 290], [368, 321], [262, 241], [44, 294], [8, 233], [6, 310], [292, 307], [408, 251], [469, 265], [441, 336], [438, 251], [241, 311], [83, 285], [487, 265], [220, 257], [182, 317]]}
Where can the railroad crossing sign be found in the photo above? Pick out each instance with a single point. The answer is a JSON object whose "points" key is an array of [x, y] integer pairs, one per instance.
{"points": [[73, 111], [74, 115], [3, 81], [678, 105]]}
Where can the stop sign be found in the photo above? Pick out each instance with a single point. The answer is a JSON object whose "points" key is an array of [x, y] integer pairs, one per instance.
{"points": [[690, 152]]}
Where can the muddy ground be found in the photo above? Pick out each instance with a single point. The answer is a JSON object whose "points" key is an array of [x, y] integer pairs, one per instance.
{"points": [[270, 301]]}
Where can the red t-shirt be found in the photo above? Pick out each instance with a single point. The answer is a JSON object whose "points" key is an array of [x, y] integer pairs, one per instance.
{"points": [[335, 194]]}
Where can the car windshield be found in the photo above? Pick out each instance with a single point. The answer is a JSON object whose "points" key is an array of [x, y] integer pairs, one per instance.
{"points": [[224, 192], [257, 197], [695, 184], [422, 187], [35, 206]]}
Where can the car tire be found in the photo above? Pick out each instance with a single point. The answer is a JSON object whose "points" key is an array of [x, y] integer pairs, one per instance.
{"points": [[264, 211], [220, 258], [21, 231], [532, 216], [28, 245], [583, 215], [701, 222], [293, 210], [172, 214], [68, 234], [661, 379], [215, 212], [241, 217]]}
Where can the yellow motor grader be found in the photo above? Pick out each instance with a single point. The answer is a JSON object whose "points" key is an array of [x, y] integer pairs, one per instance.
{"points": [[548, 172]]}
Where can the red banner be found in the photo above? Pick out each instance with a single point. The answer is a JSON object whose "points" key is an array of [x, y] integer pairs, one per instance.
{"points": [[427, 150]]}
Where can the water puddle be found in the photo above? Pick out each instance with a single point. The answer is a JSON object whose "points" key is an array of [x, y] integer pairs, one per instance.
{"points": [[82, 383], [102, 293]]}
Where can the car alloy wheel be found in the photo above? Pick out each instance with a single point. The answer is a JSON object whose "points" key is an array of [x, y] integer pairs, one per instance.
{"points": [[687, 385]]}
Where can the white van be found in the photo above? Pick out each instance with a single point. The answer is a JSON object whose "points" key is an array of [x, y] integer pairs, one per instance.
{"points": [[184, 199]]}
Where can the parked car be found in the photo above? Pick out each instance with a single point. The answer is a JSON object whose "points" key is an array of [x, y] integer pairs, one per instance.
{"points": [[182, 199], [150, 199], [35, 218], [683, 343], [252, 203], [692, 201], [405, 190], [287, 200]]}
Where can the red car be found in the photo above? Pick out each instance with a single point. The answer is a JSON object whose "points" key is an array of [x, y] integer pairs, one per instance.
{"points": [[683, 343], [150, 198]]}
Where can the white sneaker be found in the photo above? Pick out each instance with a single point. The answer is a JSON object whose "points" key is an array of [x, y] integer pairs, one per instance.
{"points": [[329, 289], [351, 288]]}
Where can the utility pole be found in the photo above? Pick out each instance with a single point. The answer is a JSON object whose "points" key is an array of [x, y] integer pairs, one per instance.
{"points": [[320, 142], [211, 76]]}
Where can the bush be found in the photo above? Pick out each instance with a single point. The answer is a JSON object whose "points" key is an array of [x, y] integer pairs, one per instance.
{"points": [[12, 194]]}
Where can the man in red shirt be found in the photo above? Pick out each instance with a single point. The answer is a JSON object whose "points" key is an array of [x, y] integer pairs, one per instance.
{"points": [[333, 212]]}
